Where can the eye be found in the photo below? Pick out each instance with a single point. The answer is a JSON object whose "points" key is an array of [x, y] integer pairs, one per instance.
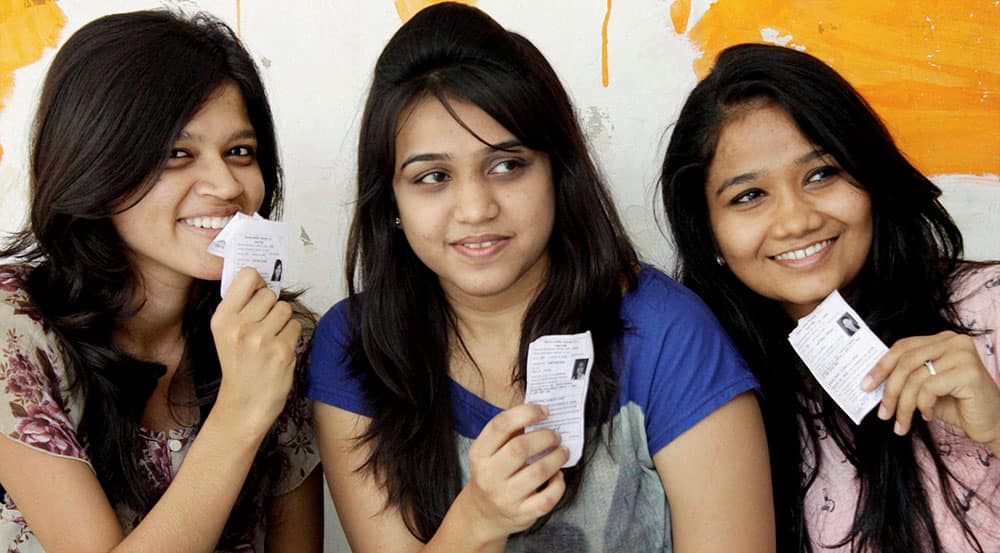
{"points": [[178, 158], [507, 166], [432, 177], [822, 174], [747, 196], [243, 151]]}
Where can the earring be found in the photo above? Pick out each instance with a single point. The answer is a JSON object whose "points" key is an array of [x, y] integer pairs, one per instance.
{"points": [[398, 222], [720, 261]]}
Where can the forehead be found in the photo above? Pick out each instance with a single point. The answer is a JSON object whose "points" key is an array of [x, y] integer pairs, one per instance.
{"points": [[428, 126], [225, 104], [755, 137]]}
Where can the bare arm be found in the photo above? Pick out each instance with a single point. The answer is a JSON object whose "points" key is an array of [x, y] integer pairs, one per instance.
{"points": [[502, 498], [62, 499], [717, 479]]}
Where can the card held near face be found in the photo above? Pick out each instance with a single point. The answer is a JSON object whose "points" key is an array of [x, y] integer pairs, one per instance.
{"points": [[252, 241], [839, 349]]}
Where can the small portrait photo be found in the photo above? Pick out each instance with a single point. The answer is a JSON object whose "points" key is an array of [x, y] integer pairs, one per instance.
{"points": [[579, 368], [276, 273], [847, 322]]}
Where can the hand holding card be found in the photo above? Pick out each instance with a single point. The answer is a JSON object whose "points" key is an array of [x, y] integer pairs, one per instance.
{"points": [[558, 375], [252, 241], [839, 349]]}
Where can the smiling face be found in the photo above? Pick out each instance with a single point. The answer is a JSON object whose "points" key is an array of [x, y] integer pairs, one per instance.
{"points": [[477, 216], [788, 222], [211, 174]]}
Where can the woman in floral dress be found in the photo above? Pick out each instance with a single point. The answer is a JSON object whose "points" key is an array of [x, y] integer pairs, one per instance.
{"points": [[140, 411]]}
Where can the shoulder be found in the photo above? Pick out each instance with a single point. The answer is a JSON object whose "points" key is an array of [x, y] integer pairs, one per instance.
{"points": [[40, 406], [975, 292], [658, 299], [333, 325], [18, 314], [14, 294]]}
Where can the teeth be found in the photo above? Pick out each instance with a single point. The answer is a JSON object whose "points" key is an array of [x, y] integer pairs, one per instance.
{"points": [[207, 222], [805, 252], [480, 245]]}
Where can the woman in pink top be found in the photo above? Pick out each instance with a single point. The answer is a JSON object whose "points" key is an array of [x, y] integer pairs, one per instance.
{"points": [[781, 186]]}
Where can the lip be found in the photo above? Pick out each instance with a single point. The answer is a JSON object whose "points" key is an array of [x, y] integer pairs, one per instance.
{"points": [[481, 246], [807, 261], [217, 218]]}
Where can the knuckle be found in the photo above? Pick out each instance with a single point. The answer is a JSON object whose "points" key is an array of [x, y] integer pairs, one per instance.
{"points": [[503, 422], [283, 309], [519, 447]]}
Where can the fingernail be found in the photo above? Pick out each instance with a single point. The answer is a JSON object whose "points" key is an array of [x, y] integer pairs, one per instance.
{"points": [[867, 382], [883, 412], [926, 418], [545, 410], [898, 429]]}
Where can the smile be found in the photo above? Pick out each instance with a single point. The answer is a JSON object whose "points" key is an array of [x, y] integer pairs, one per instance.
{"points": [[207, 222], [804, 252], [480, 245]]}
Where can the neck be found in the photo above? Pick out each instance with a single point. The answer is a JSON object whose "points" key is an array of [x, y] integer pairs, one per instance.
{"points": [[155, 330], [499, 316]]}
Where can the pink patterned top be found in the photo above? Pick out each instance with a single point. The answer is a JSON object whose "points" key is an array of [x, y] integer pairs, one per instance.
{"points": [[41, 411], [831, 501]]}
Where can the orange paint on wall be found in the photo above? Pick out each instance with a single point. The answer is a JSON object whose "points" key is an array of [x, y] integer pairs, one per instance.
{"points": [[604, 46], [408, 8], [680, 13], [931, 69], [26, 30]]}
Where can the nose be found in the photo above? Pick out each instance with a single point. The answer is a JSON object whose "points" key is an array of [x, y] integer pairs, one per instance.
{"points": [[795, 214], [475, 201], [216, 178]]}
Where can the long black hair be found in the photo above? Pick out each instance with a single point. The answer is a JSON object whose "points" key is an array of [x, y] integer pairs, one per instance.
{"points": [[114, 101], [902, 290], [401, 321]]}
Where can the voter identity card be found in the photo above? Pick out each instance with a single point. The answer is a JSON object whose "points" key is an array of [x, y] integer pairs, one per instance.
{"points": [[252, 241], [558, 375], [839, 349]]}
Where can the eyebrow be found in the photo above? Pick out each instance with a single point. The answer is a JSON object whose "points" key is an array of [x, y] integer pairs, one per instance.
{"points": [[244, 134], [504, 146], [814, 154]]}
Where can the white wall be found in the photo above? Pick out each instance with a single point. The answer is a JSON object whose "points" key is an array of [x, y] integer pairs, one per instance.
{"points": [[316, 58]]}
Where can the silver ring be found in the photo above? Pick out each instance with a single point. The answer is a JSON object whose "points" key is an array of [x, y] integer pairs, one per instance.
{"points": [[930, 367]]}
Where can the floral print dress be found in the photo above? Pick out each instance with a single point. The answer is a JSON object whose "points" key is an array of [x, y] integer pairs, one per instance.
{"points": [[40, 410]]}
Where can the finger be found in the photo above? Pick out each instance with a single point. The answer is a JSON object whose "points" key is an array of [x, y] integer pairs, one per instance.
{"points": [[290, 335], [259, 306], [909, 363], [921, 347], [927, 401], [530, 477], [546, 499], [501, 427], [276, 319], [907, 401], [514, 454], [245, 284]]}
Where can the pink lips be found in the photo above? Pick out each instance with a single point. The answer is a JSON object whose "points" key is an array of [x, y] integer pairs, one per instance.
{"points": [[810, 260], [485, 245]]}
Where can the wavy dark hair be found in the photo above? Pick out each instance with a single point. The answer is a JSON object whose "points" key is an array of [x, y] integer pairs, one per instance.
{"points": [[114, 101], [902, 290], [400, 318]]}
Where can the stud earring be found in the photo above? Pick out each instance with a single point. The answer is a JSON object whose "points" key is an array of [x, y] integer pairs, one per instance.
{"points": [[398, 222], [720, 261]]}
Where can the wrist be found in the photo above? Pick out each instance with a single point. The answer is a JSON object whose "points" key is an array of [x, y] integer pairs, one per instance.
{"points": [[466, 522]]}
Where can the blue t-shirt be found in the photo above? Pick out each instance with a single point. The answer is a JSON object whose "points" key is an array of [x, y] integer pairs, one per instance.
{"points": [[676, 366]]}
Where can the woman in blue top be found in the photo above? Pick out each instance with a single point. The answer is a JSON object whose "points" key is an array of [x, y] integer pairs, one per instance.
{"points": [[480, 225]]}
